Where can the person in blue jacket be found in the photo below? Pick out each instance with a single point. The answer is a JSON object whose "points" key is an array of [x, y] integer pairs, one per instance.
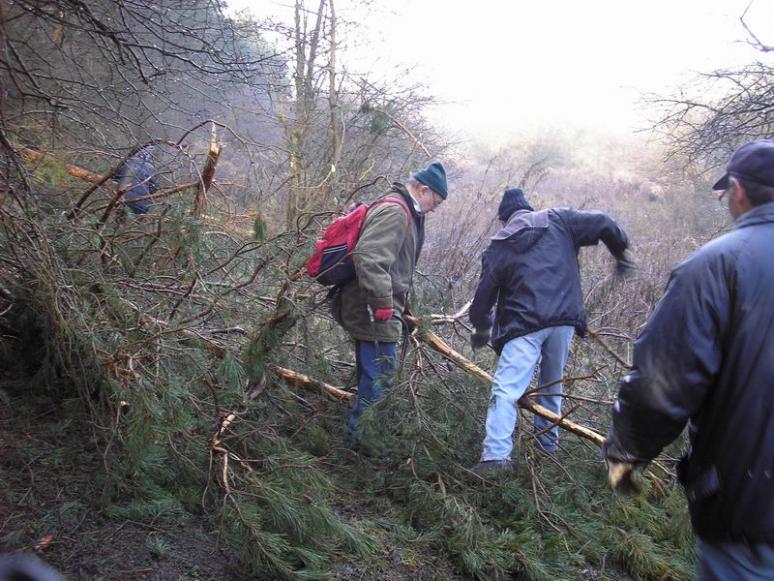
{"points": [[530, 282], [23, 567], [137, 178], [705, 359]]}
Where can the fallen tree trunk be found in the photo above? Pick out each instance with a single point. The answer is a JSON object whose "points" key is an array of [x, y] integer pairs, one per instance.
{"points": [[440, 345], [436, 343], [73, 170], [295, 378], [587, 433]]}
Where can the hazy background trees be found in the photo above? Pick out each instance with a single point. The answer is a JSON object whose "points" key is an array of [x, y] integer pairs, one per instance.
{"points": [[92, 80]]}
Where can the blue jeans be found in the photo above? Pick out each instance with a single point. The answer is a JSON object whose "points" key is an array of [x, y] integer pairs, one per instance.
{"points": [[728, 561], [514, 372], [376, 365]]}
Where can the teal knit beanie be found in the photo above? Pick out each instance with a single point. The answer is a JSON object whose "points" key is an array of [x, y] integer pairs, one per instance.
{"points": [[434, 177]]}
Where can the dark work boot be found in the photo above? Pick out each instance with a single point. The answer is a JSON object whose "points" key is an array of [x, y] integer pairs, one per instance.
{"points": [[491, 467]]}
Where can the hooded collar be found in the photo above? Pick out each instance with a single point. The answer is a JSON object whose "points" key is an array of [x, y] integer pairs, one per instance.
{"points": [[522, 220]]}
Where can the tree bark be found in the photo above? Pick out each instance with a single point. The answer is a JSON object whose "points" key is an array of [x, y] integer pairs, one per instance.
{"points": [[73, 170], [208, 174], [333, 103], [295, 378]]}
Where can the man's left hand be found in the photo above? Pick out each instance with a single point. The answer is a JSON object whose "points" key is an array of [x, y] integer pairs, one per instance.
{"points": [[624, 265], [480, 338]]}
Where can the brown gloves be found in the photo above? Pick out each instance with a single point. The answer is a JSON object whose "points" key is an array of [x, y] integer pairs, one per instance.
{"points": [[620, 476]]}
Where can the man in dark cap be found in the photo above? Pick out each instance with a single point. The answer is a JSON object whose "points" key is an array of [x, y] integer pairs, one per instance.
{"points": [[370, 307], [530, 277], [137, 178], [706, 359]]}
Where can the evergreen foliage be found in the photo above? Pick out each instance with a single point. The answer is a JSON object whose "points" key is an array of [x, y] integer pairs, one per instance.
{"points": [[133, 338], [158, 394]]}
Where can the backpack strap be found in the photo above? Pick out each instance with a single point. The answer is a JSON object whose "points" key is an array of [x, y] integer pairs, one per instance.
{"points": [[390, 199]]}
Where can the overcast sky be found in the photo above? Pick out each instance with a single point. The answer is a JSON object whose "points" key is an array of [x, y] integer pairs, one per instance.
{"points": [[504, 66]]}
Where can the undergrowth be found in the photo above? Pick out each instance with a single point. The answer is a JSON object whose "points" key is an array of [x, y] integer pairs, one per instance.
{"points": [[163, 333]]}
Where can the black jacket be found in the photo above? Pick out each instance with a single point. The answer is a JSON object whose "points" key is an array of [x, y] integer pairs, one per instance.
{"points": [[706, 358], [530, 270]]}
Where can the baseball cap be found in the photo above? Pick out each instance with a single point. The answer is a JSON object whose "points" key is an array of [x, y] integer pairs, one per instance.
{"points": [[753, 161]]}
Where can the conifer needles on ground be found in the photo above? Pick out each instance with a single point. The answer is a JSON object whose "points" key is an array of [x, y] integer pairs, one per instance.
{"points": [[175, 338]]}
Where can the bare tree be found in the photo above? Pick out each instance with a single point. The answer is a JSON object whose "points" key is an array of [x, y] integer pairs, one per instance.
{"points": [[708, 120], [116, 72]]}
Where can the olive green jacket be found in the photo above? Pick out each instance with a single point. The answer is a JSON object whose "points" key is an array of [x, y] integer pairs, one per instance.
{"points": [[385, 257]]}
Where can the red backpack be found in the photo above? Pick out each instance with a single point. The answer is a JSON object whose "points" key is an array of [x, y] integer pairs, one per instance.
{"points": [[331, 263]]}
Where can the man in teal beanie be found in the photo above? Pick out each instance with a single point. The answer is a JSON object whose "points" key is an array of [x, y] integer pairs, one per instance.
{"points": [[385, 257]]}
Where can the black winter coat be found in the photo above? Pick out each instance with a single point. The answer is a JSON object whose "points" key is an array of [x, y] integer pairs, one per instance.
{"points": [[706, 358], [530, 271]]}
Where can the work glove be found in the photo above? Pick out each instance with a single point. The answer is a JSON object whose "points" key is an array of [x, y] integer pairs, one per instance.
{"points": [[620, 476], [384, 314], [624, 265], [479, 338]]}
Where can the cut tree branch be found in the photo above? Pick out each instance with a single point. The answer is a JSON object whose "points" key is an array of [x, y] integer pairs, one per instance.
{"points": [[440, 345]]}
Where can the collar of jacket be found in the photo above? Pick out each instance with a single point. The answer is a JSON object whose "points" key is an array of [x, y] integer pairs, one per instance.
{"points": [[521, 220], [758, 215], [399, 188]]}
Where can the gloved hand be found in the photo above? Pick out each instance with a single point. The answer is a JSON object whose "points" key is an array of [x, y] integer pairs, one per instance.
{"points": [[624, 265], [384, 314], [620, 477], [479, 338]]}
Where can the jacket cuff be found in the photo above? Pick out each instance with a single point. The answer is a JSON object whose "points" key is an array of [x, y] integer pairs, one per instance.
{"points": [[614, 451], [481, 324]]}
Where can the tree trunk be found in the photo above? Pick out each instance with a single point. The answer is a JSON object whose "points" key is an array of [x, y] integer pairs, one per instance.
{"points": [[335, 126]]}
